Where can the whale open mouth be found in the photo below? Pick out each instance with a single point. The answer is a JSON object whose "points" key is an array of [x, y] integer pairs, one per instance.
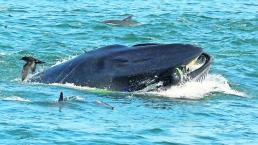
{"points": [[200, 67], [197, 69]]}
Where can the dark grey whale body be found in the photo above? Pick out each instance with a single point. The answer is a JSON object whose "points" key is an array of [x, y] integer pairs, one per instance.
{"points": [[122, 68]]}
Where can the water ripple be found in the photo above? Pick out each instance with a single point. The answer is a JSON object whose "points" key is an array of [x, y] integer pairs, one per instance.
{"points": [[221, 110]]}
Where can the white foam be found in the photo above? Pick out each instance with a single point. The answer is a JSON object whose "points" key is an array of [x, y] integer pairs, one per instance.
{"points": [[71, 85], [64, 60], [191, 90], [14, 98], [74, 98], [3, 8], [78, 98], [2, 53], [197, 90], [41, 69]]}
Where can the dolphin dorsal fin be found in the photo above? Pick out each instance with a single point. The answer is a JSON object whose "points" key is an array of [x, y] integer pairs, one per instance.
{"points": [[61, 97], [129, 18]]}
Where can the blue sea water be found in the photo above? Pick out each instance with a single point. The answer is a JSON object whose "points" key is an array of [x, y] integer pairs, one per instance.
{"points": [[220, 110]]}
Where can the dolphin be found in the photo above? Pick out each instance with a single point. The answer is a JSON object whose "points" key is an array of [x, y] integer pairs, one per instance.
{"points": [[31, 63], [124, 22], [104, 104]]}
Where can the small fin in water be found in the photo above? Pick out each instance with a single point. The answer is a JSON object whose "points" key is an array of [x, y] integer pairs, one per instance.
{"points": [[60, 101], [129, 18], [61, 97]]}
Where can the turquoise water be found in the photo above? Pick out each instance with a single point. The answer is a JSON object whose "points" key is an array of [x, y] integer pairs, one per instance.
{"points": [[221, 110]]}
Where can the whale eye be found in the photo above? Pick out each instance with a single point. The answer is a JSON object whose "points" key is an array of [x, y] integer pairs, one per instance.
{"points": [[120, 60]]}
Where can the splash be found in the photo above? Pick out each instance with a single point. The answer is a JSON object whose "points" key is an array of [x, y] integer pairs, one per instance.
{"points": [[74, 98], [64, 60], [41, 69], [1, 55], [213, 83], [79, 98], [14, 98], [197, 90], [85, 88]]}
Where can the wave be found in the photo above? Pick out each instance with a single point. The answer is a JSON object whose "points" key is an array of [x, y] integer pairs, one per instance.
{"points": [[89, 89], [213, 83], [2, 53], [3, 8], [197, 90], [14, 98], [75, 98]]}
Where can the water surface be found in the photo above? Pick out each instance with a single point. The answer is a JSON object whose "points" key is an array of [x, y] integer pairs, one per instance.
{"points": [[220, 110]]}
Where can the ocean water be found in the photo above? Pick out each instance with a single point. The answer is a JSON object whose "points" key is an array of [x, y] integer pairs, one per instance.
{"points": [[220, 110]]}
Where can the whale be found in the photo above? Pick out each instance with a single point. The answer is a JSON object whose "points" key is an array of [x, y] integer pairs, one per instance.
{"points": [[149, 66], [124, 22]]}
